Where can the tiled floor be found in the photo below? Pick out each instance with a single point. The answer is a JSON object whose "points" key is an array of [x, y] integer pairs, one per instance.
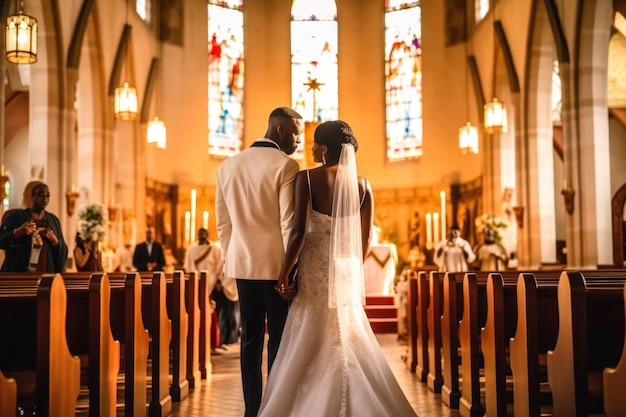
{"points": [[221, 396]]}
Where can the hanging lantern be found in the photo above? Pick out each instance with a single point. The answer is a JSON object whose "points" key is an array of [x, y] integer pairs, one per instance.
{"points": [[21, 39], [125, 102], [157, 133], [468, 139], [495, 117]]}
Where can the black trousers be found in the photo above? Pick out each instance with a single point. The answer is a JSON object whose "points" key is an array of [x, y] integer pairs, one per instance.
{"points": [[257, 300]]}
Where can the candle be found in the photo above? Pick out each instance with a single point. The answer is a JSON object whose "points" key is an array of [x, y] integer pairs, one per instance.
{"points": [[192, 227], [205, 219], [565, 184], [73, 188], [429, 238], [187, 227], [442, 195], [436, 227]]}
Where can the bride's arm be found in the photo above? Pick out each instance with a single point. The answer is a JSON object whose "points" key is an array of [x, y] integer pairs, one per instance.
{"points": [[367, 218], [302, 203]]}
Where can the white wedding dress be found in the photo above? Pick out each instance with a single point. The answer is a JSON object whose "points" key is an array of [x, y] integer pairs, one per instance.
{"points": [[323, 369]]}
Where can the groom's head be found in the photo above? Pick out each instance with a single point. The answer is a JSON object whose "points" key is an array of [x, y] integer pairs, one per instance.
{"points": [[285, 127]]}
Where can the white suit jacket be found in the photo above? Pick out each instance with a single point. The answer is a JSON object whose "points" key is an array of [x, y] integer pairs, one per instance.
{"points": [[254, 210]]}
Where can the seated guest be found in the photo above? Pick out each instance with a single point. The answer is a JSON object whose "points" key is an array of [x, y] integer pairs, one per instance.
{"points": [[32, 237]]}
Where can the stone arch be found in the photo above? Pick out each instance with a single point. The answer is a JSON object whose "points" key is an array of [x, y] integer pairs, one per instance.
{"points": [[536, 170]]}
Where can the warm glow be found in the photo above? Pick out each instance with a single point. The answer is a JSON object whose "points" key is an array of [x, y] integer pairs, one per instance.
{"points": [[21, 39], [125, 102], [495, 117], [157, 133], [468, 139]]}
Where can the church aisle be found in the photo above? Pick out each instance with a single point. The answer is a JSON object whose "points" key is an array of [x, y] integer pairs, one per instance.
{"points": [[221, 396]]}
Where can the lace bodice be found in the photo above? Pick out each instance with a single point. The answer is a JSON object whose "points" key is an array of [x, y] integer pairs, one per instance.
{"points": [[313, 264]]}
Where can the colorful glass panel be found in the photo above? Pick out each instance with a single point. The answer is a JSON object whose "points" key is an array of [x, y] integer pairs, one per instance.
{"points": [[314, 70], [403, 76], [226, 77]]}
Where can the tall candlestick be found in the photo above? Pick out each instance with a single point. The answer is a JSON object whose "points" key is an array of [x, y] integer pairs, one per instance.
{"points": [[187, 227], [429, 231], [205, 219], [442, 194], [436, 227], [192, 230]]}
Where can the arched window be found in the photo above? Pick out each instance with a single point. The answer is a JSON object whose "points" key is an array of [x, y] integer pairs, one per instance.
{"points": [[403, 74], [314, 87], [225, 68], [482, 8], [143, 9], [556, 94]]}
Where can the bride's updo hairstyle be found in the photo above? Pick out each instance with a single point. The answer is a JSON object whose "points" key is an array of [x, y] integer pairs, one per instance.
{"points": [[333, 134]]}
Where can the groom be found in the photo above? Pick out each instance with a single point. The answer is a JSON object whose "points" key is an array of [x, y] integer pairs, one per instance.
{"points": [[254, 211]]}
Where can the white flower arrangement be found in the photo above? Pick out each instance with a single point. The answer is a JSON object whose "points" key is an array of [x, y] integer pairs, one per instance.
{"points": [[93, 221], [493, 222]]}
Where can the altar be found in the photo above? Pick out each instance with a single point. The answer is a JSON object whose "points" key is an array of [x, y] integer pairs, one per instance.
{"points": [[380, 269]]}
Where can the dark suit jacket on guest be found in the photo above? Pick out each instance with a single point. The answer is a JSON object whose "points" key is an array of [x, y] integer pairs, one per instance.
{"points": [[141, 257]]}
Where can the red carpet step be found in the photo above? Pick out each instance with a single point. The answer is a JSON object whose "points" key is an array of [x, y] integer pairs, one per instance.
{"points": [[382, 313]]}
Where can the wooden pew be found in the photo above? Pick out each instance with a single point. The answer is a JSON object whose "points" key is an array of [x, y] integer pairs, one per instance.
{"points": [[500, 326], [452, 313], [128, 327], [434, 313], [176, 287], [421, 318], [412, 320], [154, 312], [614, 381], [8, 395], [535, 334], [33, 317], [89, 335], [204, 332], [590, 338], [192, 302], [474, 296]]}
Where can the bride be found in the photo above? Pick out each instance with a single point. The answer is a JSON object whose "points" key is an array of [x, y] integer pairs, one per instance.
{"points": [[329, 362]]}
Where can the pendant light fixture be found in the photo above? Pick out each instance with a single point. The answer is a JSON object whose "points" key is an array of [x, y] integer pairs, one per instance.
{"points": [[495, 112], [21, 37], [157, 133], [468, 134], [126, 95]]}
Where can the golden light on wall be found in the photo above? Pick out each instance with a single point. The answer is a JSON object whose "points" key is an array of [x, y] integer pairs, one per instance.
{"points": [[468, 139], [495, 117], [21, 38], [125, 102], [157, 133]]}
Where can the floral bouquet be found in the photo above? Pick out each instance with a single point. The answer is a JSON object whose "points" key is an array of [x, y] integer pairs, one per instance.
{"points": [[93, 220], [490, 221]]}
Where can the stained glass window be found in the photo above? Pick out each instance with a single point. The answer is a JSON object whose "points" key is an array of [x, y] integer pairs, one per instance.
{"points": [[556, 94], [143, 9], [314, 87], [226, 71], [403, 75]]}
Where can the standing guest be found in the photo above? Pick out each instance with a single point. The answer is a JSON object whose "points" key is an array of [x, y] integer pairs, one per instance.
{"points": [[87, 254], [32, 237], [491, 255], [124, 258], [227, 307], [455, 253], [206, 256], [149, 255], [254, 211]]}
